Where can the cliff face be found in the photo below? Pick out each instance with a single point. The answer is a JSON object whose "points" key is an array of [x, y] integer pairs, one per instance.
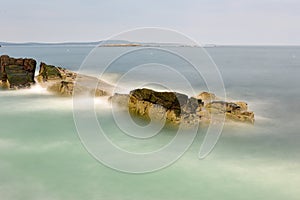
{"points": [[17, 73]]}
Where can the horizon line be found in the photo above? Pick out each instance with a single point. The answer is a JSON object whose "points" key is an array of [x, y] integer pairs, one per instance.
{"points": [[94, 42]]}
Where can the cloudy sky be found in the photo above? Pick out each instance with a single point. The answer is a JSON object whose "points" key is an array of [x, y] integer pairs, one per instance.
{"points": [[254, 22]]}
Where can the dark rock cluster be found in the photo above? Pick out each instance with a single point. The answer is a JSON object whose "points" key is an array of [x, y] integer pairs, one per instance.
{"points": [[17, 73], [168, 100]]}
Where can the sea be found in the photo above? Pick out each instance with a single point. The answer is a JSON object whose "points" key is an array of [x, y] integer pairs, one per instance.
{"points": [[42, 156]]}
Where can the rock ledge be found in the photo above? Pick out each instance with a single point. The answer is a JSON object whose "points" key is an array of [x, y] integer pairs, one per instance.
{"points": [[179, 108]]}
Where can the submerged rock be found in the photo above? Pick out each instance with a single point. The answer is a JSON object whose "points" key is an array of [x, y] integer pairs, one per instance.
{"points": [[179, 108], [17, 73], [120, 100]]}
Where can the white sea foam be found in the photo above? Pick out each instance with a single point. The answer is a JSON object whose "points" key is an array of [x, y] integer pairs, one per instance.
{"points": [[33, 90], [102, 102]]}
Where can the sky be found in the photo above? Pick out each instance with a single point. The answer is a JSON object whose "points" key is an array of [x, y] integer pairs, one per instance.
{"points": [[232, 22]]}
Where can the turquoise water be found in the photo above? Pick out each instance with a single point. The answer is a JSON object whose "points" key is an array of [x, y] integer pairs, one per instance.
{"points": [[41, 156]]}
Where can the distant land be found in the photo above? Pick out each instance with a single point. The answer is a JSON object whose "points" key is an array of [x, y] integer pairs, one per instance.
{"points": [[107, 43], [125, 43], [47, 44]]}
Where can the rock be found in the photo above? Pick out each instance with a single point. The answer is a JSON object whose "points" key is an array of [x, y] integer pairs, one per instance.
{"points": [[67, 89], [63, 88], [178, 108], [50, 73], [233, 111], [243, 105], [168, 100], [56, 80], [17, 73], [98, 93], [206, 97], [175, 107], [242, 117], [193, 105], [222, 106], [64, 82]]}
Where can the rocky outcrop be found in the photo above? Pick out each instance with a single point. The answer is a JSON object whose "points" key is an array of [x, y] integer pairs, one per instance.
{"points": [[168, 100], [52, 73], [179, 108], [234, 111], [62, 82], [17, 73], [175, 107]]}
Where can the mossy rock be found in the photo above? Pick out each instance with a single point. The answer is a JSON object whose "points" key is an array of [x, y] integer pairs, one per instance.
{"points": [[169, 100], [12, 68], [18, 79], [49, 72]]}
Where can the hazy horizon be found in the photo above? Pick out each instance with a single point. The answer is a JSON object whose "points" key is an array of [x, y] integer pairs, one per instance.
{"points": [[94, 42], [247, 22]]}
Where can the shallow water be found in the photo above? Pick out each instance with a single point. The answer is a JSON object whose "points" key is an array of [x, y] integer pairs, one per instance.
{"points": [[41, 156]]}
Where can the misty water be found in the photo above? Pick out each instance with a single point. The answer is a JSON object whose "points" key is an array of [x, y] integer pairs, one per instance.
{"points": [[42, 157]]}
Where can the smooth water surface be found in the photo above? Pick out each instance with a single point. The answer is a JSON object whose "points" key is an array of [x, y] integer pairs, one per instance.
{"points": [[41, 156]]}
